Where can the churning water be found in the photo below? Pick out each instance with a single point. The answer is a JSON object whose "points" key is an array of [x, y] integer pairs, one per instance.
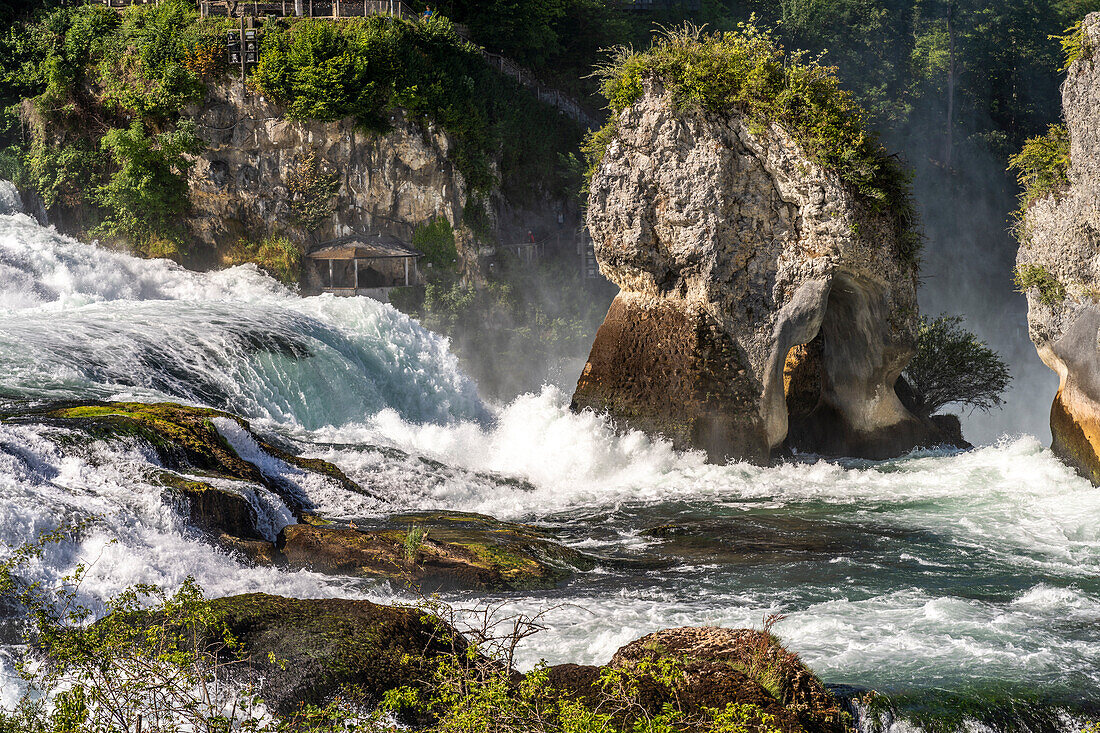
{"points": [[965, 584]]}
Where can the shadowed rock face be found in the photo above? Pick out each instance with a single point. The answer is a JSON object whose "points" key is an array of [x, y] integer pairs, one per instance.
{"points": [[1062, 235], [731, 248]]}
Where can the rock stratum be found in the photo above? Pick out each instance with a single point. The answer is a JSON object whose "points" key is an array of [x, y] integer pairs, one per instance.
{"points": [[763, 305], [1061, 238]]}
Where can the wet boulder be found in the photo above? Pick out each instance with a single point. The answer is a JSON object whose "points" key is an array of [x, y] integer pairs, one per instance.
{"points": [[434, 551]]}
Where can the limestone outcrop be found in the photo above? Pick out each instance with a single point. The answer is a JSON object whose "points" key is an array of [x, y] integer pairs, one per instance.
{"points": [[1060, 243], [762, 304], [388, 183]]}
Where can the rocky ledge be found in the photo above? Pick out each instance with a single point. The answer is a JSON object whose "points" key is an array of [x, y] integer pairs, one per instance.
{"points": [[1060, 250], [310, 651], [218, 487], [764, 305]]}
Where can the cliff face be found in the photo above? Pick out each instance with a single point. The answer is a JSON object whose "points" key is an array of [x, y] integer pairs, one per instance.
{"points": [[241, 184], [1062, 236], [731, 248]]}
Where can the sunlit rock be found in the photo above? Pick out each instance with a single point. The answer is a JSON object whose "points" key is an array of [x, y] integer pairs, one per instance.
{"points": [[1061, 241], [741, 260]]}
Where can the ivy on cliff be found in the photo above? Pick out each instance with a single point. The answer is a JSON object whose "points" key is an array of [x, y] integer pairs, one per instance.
{"points": [[748, 72]]}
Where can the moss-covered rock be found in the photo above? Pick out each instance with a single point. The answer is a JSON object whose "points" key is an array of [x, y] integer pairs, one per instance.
{"points": [[740, 666], [304, 651], [436, 550], [185, 438]]}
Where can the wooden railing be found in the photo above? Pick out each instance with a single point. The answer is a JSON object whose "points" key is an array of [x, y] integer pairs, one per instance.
{"points": [[305, 8]]}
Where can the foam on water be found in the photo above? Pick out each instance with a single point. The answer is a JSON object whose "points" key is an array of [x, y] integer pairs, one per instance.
{"points": [[83, 322], [936, 570]]}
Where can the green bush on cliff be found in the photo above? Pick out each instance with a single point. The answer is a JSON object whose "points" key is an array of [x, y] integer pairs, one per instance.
{"points": [[1042, 166], [436, 240], [365, 68], [747, 71], [1075, 44], [147, 192], [1036, 277], [278, 256]]}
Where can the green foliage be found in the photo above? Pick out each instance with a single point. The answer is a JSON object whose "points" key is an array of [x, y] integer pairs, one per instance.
{"points": [[1042, 167], [1075, 44], [415, 536], [437, 241], [147, 193], [952, 366], [1036, 277], [311, 191], [747, 71], [278, 256], [364, 68]]}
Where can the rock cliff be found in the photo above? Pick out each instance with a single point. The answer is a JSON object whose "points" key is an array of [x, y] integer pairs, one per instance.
{"points": [[241, 184], [762, 303], [1061, 241]]}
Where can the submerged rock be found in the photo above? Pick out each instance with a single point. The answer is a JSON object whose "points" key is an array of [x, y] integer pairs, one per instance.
{"points": [[762, 301], [1060, 248]]}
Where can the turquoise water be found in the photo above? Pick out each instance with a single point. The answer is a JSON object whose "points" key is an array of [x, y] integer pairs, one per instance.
{"points": [[967, 585]]}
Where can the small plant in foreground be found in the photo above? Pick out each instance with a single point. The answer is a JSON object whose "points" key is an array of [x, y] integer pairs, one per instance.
{"points": [[415, 537]]}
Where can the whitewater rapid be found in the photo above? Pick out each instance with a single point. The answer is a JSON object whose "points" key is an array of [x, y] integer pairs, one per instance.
{"points": [[942, 570]]}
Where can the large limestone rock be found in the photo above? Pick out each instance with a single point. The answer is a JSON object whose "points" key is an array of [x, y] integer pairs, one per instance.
{"points": [[1062, 236], [731, 249]]}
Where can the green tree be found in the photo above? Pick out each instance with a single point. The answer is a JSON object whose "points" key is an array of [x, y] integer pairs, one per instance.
{"points": [[953, 366], [146, 196]]}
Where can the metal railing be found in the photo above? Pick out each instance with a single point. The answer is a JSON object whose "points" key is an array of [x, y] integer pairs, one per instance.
{"points": [[546, 93]]}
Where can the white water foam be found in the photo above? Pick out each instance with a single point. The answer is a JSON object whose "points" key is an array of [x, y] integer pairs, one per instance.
{"points": [[981, 564]]}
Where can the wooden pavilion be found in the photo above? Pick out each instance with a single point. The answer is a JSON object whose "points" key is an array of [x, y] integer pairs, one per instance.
{"points": [[365, 264]]}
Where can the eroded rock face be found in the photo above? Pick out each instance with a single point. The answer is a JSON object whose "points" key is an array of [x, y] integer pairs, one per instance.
{"points": [[388, 183], [1062, 236], [731, 248]]}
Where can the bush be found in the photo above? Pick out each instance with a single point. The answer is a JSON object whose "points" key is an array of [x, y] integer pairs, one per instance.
{"points": [[1042, 166], [437, 241], [1051, 290], [748, 72], [952, 366], [1075, 44], [278, 256], [311, 190], [147, 194]]}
